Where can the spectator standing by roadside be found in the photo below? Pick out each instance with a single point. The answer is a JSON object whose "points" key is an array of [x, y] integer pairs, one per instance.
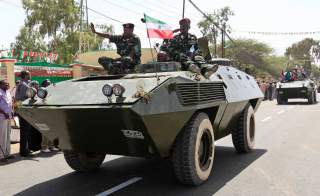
{"points": [[13, 94], [35, 137], [5, 117], [24, 125], [46, 144]]}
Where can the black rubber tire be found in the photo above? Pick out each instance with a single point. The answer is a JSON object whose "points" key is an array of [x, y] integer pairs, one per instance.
{"points": [[190, 167], [311, 98], [279, 100], [243, 136], [83, 162]]}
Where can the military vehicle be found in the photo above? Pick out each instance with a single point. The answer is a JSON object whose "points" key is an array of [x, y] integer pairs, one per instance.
{"points": [[160, 111], [305, 89]]}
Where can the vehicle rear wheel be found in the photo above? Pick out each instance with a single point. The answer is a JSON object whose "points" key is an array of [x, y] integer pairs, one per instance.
{"points": [[243, 136], [279, 100], [193, 151], [311, 98], [83, 161], [282, 100]]}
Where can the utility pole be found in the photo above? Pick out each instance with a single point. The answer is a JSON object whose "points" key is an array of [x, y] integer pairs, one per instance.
{"points": [[83, 44], [183, 7], [223, 40]]}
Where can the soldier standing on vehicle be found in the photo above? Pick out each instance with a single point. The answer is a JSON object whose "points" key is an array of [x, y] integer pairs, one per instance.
{"points": [[128, 46]]}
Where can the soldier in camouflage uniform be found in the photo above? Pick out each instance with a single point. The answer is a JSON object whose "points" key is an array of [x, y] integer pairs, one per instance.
{"points": [[184, 48], [184, 45], [128, 47]]}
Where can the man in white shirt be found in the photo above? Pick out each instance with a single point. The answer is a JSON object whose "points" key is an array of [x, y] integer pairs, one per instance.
{"points": [[5, 116]]}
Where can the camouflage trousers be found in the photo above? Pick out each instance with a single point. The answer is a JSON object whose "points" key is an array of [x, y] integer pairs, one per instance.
{"points": [[108, 62]]}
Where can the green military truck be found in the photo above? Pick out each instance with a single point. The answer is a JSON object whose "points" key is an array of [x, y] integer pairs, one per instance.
{"points": [[159, 111], [304, 89]]}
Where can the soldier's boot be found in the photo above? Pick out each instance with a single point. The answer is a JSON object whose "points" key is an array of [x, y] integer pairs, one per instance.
{"points": [[106, 62], [194, 68], [209, 70]]}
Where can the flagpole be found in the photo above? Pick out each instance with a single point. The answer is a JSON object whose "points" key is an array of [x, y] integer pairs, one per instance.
{"points": [[144, 16], [183, 7]]}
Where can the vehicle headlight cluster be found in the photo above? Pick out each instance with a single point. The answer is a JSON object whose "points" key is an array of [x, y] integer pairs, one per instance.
{"points": [[42, 93], [116, 89], [31, 92]]}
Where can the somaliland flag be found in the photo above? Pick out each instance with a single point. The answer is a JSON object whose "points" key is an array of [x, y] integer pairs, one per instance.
{"points": [[157, 29]]}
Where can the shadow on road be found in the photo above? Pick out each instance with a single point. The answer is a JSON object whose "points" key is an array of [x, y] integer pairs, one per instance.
{"points": [[302, 102], [32, 157], [158, 177]]}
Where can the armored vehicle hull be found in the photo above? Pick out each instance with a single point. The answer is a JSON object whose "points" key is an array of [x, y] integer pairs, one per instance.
{"points": [[175, 114], [305, 89]]}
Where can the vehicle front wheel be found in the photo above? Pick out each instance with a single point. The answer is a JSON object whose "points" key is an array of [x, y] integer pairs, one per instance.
{"points": [[311, 98], [83, 161], [281, 100], [193, 151], [315, 97], [243, 136]]}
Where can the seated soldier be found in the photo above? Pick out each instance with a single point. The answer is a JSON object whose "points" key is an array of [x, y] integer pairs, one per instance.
{"points": [[184, 48], [128, 47]]}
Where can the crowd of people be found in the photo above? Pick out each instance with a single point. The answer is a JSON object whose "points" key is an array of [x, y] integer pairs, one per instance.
{"points": [[30, 139], [268, 88], [297, 73]]}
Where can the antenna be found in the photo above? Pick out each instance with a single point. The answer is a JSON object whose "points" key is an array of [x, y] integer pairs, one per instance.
{"points": [[84, 24]]}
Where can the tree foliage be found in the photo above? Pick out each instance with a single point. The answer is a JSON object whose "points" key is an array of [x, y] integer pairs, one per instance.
{"points": [[53, 26], [304, 49], [248, 52], [208, 26]]}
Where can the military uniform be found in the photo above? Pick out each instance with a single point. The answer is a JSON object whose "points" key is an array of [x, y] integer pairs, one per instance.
{"points": [[183, 44], [128, 47], [184, 48]]}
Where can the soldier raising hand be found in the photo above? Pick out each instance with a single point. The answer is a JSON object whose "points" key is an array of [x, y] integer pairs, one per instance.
{"points": [[128, 45]]}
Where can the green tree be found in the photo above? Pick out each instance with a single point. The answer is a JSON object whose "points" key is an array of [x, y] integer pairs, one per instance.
{"points": [[208, 26], [304, 49], [29, 40], [304, 52], [248, 52], [57, 22]]}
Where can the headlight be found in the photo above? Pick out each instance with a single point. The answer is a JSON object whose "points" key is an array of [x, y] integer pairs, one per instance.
{"points": [[107, 90], [118, 90], [31, 92], [42, 93]]}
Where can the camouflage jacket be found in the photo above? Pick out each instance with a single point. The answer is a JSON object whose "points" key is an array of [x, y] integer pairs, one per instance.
{"points": [[128, 47], [182, 44]]}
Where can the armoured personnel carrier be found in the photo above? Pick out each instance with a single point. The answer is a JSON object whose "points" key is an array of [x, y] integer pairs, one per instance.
{"points": [[160, 111], [305, 89]]}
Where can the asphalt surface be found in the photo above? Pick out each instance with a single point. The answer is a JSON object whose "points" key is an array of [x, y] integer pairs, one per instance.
{"points": [[286, 162]]}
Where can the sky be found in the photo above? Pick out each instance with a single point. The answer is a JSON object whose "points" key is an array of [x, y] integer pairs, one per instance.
{"points": [[250, 15]]}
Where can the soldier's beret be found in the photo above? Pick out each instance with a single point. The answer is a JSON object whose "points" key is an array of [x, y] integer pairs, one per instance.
{"points": [[185, 21], [128, 25]]}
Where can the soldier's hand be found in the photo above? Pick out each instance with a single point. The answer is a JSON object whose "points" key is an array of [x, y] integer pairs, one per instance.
{"points": [[92, 27], [183, 57]]}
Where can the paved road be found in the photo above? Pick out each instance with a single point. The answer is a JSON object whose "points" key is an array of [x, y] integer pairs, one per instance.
{"points": [[286, 162]]}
